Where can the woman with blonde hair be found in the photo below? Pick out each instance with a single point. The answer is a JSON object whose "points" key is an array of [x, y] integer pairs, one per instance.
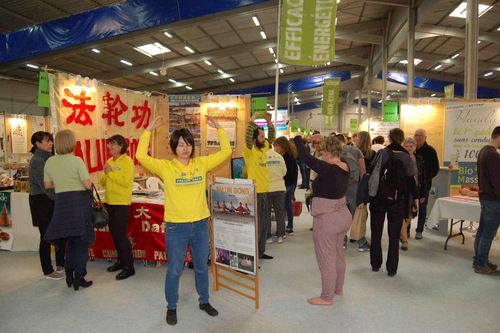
{"points": [[364, 144], [331, 217], [69, 177], [410, 210]]}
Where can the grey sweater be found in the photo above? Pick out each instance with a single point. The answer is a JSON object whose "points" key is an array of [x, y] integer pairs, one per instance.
{"points": [[36, 167]]}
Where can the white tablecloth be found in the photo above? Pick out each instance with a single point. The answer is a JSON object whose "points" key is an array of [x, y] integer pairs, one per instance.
{"points": [[456, 207]]}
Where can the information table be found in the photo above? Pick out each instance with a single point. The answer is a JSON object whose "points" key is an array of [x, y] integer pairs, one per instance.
{"points": [[146, 231], [458, 208]]}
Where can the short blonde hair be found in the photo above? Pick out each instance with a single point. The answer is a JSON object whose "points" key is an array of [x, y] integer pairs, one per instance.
{"points": [[333, 145], [65, 142], [411, 140]]}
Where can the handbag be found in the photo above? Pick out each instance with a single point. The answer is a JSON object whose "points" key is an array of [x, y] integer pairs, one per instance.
{"points": [[358, 227], [100, 216]]}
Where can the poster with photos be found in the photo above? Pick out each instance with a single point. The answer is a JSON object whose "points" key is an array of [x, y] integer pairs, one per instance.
{"points": [[184, 112], [230, 129]]}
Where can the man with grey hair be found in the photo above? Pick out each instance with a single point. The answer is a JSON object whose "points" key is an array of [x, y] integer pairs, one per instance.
{"points": [[431, 166]]}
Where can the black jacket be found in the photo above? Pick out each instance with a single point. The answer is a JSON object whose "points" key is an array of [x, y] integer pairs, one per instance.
{"points": [[431, 163]]}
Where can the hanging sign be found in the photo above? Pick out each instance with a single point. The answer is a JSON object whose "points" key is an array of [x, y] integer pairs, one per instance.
{"points": [[43, 90], [307, 34], [353, 125], [390, 111], [449, 91], [331, 88]]}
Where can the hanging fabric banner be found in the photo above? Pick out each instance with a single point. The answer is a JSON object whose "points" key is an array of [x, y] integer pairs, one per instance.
{"points": [[390, 111], [307, 33], [353, 125], [449, 91], [331, 89], [43, 90]]}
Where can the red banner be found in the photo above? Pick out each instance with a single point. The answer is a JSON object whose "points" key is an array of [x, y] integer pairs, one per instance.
{"points": [[146, 232]]}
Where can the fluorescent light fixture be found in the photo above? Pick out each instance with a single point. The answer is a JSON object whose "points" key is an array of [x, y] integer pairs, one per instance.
{"points": [[220, 71], [271, 50], [295, 99], [78, 81], [282, 71], [126, 62], [454, 56], [188, 48], [433, 95], [328, 63], [461, 10], [479, 42], [32, 66], [152, 49], [438, 66], [276, 60], [256, 20], [231, 79], [488, 74], [380, 101], [172, 80], [208, 62], [153, 73], [415, 62], [263, 34], [189, 88], [498, 29], [388, 96], [167, 34], [96, 51]]}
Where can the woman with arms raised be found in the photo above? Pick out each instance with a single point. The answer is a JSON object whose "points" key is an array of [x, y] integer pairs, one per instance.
{"points": [[186, 209], [331, 217]]}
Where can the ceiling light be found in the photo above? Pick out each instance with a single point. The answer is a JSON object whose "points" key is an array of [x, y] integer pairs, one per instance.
{"points": [[415, 62], [276, 60], [498, 29], [220, 71], [479, 42], [271, 50], [454, 56], [380, 101], [282, 71], [208, 63], [163, 70], [231, 79], [256, 20], [388, 96], [172, 80], [461, 10], [188, 48], [167, 34], [263, 34], [488, 74], [153, 73], [32, 66], [438, 66], [189, 88], [126, 62], [152, 49], [433, 95], [96, 51], [78, 81]]}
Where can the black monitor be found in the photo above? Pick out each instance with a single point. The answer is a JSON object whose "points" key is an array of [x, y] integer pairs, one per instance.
{"points": [[237, 166]]}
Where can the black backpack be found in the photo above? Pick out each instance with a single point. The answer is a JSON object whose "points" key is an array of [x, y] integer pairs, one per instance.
{"points": [[392, 182]]}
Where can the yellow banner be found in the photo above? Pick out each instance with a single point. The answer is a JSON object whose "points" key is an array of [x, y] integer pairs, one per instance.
{"points": [[307, 34]]}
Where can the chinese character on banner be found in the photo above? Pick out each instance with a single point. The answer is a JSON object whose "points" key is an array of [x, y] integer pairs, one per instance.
{"points": [[113, 108], [80, 114], [141, 115]]}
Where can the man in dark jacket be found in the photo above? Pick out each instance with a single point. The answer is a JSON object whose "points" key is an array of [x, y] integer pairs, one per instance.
{"points": [[488, 163], [380, 206], [431, 166]]}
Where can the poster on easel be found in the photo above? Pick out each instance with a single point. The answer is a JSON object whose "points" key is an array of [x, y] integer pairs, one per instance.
{"points": [[6, 234], [234, 225]]}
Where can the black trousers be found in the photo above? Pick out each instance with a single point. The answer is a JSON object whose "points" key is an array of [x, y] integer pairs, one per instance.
{"points": [[42, 209], [118, 220], [378, 211]]}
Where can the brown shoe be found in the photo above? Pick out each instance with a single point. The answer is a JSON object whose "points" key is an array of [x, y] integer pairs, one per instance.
{"points": [[487, 270]]}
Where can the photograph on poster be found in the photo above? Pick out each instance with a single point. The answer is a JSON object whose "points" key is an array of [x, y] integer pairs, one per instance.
{"points": [[246, 262], [222, 256]]}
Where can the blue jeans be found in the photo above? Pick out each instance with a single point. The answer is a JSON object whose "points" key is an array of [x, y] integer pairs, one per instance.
{"points": [[290, 190], [263, 215], [77, 255], [422, 214], [488, 227], [177, 237]]}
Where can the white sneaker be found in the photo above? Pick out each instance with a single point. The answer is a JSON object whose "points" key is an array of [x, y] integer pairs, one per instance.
{"points": [[54, 276], [269, 240], [280, 240]]}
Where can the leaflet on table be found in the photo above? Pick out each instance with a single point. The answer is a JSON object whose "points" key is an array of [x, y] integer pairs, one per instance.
{"points": [[233, 214]]}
